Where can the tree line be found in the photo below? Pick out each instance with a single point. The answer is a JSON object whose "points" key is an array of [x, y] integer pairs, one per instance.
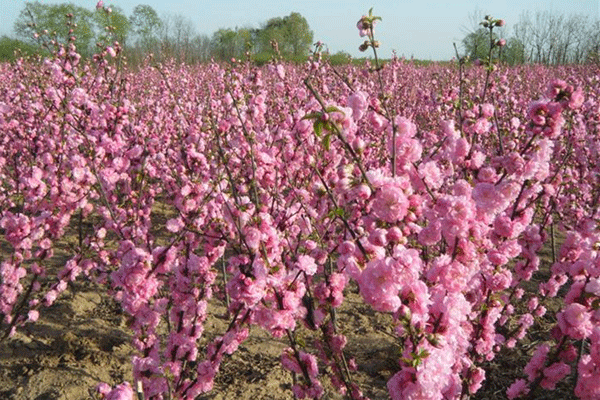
{"points": [[541, 37], [144, 32]]}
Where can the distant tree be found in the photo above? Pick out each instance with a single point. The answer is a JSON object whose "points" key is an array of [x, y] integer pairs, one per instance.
{"points": [[557, 39], [200, 49], [340, 58], [298, 35], [292, 34], [112, 24], [514, 52], [145, 24], [50, 22], [224, 44], [229, 43], [178, 39], [145, 21], [10, 47], [477, 44]]}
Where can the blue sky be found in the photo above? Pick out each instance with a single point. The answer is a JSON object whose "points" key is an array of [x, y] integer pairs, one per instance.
{"points": [[424, 29]]}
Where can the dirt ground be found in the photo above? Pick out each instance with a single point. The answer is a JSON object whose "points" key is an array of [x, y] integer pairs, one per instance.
{"points": [[83, 339]]}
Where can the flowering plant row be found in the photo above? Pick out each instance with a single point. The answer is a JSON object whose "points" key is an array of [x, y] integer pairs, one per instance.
{"points": [[434, 194]]}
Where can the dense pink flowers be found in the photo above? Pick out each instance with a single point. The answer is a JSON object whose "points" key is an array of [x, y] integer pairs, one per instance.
{"points": [[185, 194]]}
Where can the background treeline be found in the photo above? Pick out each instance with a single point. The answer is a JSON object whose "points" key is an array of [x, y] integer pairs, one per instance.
{"points": [[540, 37], [144, 32]]}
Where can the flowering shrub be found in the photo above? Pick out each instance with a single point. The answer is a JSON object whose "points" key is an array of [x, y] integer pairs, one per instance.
{"points": [[434, 199]]}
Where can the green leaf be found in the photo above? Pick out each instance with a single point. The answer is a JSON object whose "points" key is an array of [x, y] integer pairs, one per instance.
{"points": [[318, 127], [329, 126], [312, 115], [327, 142], [331, 109]]}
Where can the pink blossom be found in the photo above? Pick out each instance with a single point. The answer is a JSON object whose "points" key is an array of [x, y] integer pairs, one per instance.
{"points": [[517, 389], [577, 99], [363, 26], [485, 196], [307, 264], [103, 389], [553, 374], [575, 321], [477, 378], [536, 363], [431, 234], [379, 286], [482, 126], [588, 386], [431, 174], [377, 121], [593, 286], [175, 225], [537, 112], [280, 71], [358, 101], [252, 236], [289, 362], [120, 392], [487, 110], [33, 315], [390, 204], [405, 127]]}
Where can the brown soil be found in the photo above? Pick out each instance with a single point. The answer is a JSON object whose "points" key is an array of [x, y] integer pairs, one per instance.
{"points": [[83, 339]]}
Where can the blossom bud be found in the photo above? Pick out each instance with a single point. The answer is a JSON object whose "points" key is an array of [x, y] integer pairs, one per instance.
{"points": [[501, 43]]}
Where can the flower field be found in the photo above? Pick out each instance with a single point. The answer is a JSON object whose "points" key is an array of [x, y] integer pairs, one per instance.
{"points": [[352, 232]]}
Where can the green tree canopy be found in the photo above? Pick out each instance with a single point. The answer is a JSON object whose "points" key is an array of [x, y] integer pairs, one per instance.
{"points": [[224, 43], [292, 34], [145, 24], [113, 25], [477, 43], [51, 19], [10, 46], [514, 51]]}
